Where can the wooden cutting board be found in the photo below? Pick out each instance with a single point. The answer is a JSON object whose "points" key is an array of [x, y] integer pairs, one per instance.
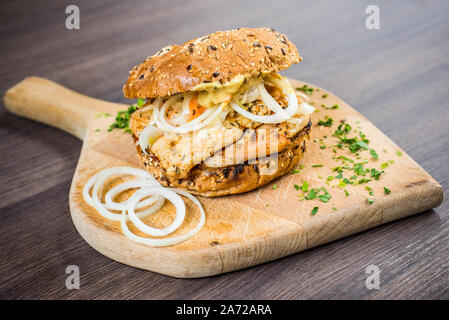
{"points": [[242, 230]]}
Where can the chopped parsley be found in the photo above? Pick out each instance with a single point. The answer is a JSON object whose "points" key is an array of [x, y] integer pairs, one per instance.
{"points": [[376, 174], [384, 165], [371, 192], [399, 153], [359, 169], [325, 197], [362, 144], [306, 89], [343, 129], [314, 211], [352, 170], [321, 193], [354, 144], [103, 114], [140, 102], [305, 186], [328, 123], [311, 195], [345, 159], [374, 154], [335, 106], [122, 119], [341, 184], [275, 186], [324, 96]]}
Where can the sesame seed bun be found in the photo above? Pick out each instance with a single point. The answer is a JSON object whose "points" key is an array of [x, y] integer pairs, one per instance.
{"points": [[218, 57]]}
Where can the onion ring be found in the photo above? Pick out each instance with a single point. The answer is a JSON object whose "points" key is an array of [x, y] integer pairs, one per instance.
{"points": [[271, 103], [166, 241], [98, 179], [167, 194], [110, 204], [280, 115], [274, 118], [149, 132], [151, 194], [201, 121]]}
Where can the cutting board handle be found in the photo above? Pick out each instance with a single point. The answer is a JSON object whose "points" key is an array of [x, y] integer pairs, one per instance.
{"points": [[45, 101]]}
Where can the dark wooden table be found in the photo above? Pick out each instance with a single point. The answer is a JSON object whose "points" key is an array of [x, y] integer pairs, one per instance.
{"points": [[397, 76]]}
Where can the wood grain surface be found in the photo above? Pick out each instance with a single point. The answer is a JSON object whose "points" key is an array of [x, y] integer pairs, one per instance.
{"points": [[397, 77]]}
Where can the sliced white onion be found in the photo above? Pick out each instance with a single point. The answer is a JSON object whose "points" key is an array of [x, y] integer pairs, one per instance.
{"points": [[174, 103], [110, 204], [151, 193], [283, 84], [201, 121], [306, 108], [292, 100], [167, 194], [280, 82], [186, 126], [303, 95], [287, 113], [97, 181], [151, 106], [167, 241], [296, 121], [150, 132], [185, 108], [270, 102], [250, 95], [274, 118], [280, 115], [222, 116]]}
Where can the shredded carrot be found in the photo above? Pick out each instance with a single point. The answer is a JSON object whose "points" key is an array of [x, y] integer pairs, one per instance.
{"points": [[195, 109]]}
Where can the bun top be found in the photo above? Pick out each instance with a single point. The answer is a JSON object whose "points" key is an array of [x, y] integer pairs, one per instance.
{"points": [[218, 57]]}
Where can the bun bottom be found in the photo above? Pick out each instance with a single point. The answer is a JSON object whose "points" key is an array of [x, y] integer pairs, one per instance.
{"points": [[239, 178]]}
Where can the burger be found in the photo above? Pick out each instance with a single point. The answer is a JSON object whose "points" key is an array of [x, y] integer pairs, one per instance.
{"points": [[218, 118]]}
